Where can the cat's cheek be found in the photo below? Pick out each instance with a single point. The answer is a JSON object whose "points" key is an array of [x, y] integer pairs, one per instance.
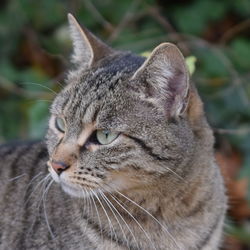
{"points": [[119, 181]]}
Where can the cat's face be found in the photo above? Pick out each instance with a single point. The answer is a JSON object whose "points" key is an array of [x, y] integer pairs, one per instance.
{"points": [[120, 122]]}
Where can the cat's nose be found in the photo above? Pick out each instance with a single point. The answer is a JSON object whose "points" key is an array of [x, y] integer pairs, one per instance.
{"points": [[59, 166]]}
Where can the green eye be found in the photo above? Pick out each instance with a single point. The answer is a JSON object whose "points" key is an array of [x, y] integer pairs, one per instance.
{"points": [[105, 136], [60, 124]]}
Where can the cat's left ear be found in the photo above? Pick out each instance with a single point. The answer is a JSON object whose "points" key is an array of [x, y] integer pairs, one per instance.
{"points": [[87, 48], [166, 78]]}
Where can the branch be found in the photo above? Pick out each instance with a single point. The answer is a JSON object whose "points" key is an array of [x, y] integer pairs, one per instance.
{"points": [[236, 80], [98, 16], [235, 30], [11, 87], [155, 13], [127, 18], [240, 131]]}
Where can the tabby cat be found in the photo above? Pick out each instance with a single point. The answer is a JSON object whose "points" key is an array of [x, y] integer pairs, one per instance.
{"points": [[128, 161]]}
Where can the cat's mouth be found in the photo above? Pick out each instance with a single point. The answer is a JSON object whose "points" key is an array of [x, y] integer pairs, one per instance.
{"points": [[83, 186], [70, 186]]}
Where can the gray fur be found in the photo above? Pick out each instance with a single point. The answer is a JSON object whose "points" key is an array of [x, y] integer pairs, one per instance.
{"points": [[162, 161]]}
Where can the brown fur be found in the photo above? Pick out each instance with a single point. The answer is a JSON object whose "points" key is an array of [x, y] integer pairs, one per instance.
{"points": [[136, 157]]}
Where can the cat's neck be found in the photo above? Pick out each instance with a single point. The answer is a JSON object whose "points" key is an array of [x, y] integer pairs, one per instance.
{"points": [[150, 214], [161, 200]]}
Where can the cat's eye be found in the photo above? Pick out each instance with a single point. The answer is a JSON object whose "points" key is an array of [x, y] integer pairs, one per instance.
{"points": [[60, 124], [106, 136]]}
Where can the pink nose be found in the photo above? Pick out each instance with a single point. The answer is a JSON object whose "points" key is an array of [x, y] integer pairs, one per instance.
{"points": [[59, 166]]}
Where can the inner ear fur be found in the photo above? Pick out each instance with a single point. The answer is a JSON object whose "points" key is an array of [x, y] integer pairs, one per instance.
{"points": [[166, 75], [87, 48]]}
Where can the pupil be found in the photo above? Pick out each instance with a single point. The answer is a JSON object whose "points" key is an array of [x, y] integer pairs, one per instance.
{"points": [[106, 133]]}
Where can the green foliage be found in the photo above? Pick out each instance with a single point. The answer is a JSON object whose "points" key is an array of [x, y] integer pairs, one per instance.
{"points": [[38, 117], [195, 17], [35, 47], [190, 61], [240, 53]]}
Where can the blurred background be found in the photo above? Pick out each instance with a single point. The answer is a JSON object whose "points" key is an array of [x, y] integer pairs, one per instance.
{"points": [[35, 47]]}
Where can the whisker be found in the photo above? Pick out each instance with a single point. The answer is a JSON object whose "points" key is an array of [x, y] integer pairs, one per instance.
{"points": [[40, 100], [109, 221], [38, 201], [38, 184], [83, 201], [98, 216], [112, 208], [173, 172], [44, 208], [153, 217], [33, 178], [115, 218], [87, 204], [17, 177], [90, 201], [60, 84], [17, 215], [136, 221], [40, 85], [43, 187], [122, 219]]}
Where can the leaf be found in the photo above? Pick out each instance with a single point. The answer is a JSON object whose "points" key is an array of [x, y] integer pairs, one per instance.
{"points": [[240, 53], [38, 119], [190, 61], [146, 53], [210, 65], [195, 17]]}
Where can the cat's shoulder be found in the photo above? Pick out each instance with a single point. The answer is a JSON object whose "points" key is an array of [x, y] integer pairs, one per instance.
{"points": [[23, 148]]}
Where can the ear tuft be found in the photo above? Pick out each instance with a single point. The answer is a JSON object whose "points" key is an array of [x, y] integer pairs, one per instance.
{"points": [[167, 78], [87, 48], [82, 50]]}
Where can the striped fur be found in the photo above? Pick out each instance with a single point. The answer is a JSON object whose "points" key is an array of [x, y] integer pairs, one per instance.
{"points": [[156, 186]]}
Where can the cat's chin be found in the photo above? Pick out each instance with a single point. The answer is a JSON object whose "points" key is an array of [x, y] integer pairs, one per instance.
{"points": [[73, 191]]}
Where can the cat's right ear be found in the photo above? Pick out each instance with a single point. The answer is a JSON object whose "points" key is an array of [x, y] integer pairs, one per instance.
{"points": [[87, 48]]}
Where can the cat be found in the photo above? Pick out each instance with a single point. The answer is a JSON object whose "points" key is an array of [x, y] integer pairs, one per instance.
{"points": [[128, 160]]}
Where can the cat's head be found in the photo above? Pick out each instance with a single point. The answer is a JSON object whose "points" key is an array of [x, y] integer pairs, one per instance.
{"points": [[122, 122]]}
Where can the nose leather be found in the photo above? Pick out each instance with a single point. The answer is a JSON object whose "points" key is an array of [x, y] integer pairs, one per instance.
{"points": [[59, 166]]}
